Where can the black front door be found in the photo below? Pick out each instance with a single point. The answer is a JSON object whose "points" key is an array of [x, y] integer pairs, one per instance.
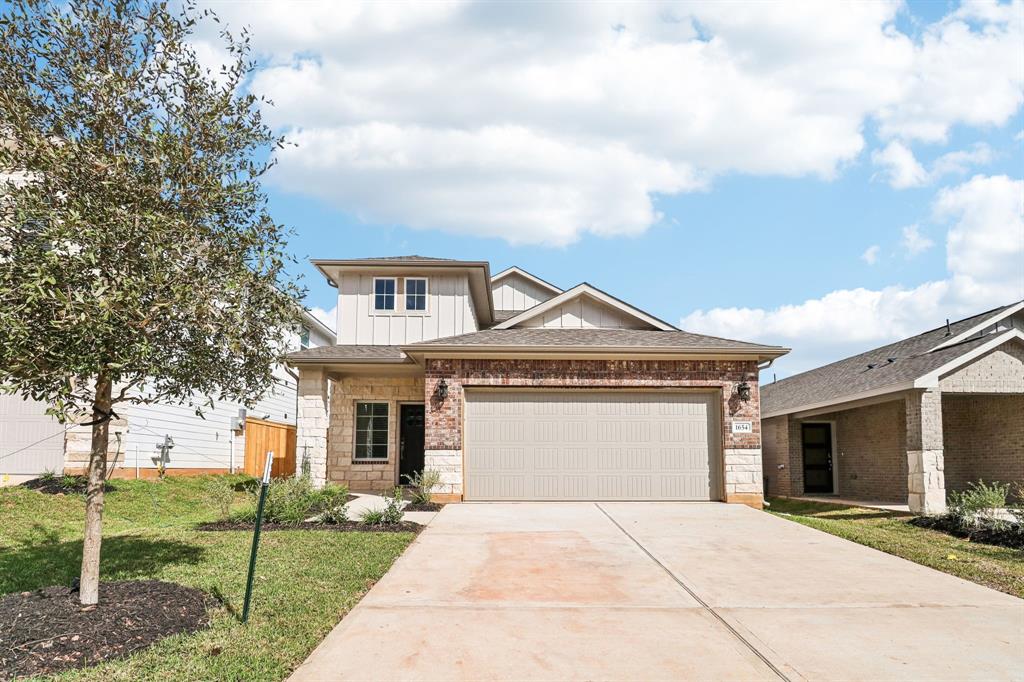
{"points": [[817, 439], [410, 441]]}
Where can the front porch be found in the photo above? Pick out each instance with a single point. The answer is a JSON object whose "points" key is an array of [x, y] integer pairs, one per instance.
{"points": [[903, 450]]}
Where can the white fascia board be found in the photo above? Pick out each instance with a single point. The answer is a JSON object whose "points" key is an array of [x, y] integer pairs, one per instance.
{"points": [[981, 326], [842, 400], [931, 379], [316, 322], [580, 290], [514, 270]]}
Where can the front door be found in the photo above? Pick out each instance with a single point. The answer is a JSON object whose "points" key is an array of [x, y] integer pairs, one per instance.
{"points": [[410, 443], [817, 439]]}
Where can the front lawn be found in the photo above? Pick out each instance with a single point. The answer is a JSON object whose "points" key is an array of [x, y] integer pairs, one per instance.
{"points": [[305, 580], [1000, 568]]}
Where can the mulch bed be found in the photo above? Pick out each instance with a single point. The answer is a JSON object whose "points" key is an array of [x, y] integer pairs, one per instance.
{"points": [[48, 631], [403, 527], [1007, 536], [425, 506], [62, 485]]}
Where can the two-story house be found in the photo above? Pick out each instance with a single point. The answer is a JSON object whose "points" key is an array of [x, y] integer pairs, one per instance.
{"points": [[514, 389]]}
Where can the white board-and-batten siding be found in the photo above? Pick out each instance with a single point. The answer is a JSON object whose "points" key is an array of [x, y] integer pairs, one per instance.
{"points": [[584, 312], [449, 311], [515, 292]]}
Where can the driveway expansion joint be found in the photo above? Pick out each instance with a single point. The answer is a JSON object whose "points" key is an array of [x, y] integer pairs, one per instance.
{"points": [[704, 605]]}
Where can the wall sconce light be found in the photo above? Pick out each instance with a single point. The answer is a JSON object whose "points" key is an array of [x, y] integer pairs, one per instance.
{"points": [[743, 391], [442, 390]]}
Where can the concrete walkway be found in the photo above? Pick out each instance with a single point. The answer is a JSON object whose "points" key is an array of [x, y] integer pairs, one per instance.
{"points": [[663, 591]]}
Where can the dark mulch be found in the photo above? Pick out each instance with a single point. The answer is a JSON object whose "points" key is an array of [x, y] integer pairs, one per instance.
{"points": [[48, 631], [349, 526], [1009, 535], [63, 485], [423, 506]]}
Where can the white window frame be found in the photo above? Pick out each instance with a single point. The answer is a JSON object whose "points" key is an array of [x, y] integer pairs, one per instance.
{"points": [[373, 297], [356, 457], [426, 295]]}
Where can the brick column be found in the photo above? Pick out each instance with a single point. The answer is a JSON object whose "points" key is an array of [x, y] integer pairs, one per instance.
{"points": [[926, 482], [312, 424], [795, 442]]}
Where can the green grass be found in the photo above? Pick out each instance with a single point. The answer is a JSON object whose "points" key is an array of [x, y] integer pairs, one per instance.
{"points": [[1000, 568], [305, 580]]}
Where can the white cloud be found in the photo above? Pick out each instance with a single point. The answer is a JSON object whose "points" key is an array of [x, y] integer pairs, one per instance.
{"points": [[900, 166], [328, 317], [914, 242], [870, 255], [985, 264], [538, 122]]}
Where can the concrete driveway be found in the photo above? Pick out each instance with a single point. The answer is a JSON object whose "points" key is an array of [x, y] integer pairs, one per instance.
{"points": [[663, 591]]}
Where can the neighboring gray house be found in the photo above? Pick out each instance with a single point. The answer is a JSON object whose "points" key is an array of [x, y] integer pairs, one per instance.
{"points": [[906, 421], [31, 442]]}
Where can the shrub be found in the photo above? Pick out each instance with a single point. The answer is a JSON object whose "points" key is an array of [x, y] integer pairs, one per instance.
{"points": [[48, 476], [390, 515], [423, 484], [291, 501], [981, 502], [219, 492], [372, 517]]}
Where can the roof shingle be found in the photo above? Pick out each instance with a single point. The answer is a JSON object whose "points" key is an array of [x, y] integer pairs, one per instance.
{"points": [[538, 337], [889, 365]]}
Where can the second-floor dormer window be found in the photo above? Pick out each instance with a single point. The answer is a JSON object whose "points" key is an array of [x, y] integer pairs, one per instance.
{"points": [[384, 293], [415, 293]]}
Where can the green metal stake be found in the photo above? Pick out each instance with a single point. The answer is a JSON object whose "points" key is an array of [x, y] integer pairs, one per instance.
{"points": [[256, 536]]}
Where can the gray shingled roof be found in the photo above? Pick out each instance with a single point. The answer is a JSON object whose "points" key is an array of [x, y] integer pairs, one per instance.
{"points": [[595, 338], [871, 370], [348, 353], [502, 315]]}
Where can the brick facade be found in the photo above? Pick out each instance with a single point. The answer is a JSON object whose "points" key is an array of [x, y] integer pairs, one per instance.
{"points": [[345, 393], [984, 439], [741, 452], [998, 371]]}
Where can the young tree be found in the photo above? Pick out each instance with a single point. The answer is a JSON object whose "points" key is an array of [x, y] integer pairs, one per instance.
{"points": [[138, 261]]}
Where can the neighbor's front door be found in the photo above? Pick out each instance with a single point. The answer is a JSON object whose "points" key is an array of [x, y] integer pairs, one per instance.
{"points": [[817, 440], [410, 445]]}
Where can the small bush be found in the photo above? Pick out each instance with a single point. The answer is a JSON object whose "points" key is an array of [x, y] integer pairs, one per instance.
{"points": [[981, 502], [372, 517], [390, 515], [219, 492], [291, 501], [48, 476], [423, 484]]}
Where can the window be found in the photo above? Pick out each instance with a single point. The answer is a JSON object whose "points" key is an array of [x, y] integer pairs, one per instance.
{"points": [[415, 293], [304, 337], [384, 293], [371, 431]]}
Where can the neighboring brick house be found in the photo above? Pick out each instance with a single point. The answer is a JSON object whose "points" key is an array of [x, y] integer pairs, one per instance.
{"points": [[906, 422], [513, 389]]}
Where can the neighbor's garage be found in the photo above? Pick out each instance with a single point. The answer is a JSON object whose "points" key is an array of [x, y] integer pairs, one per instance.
{"points": [[592, 445]]}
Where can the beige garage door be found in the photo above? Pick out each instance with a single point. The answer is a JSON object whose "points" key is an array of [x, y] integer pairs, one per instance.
{"points": [[542, 445]]}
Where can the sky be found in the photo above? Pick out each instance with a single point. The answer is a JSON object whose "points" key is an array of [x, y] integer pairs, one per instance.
{"points": [[825, 176]]}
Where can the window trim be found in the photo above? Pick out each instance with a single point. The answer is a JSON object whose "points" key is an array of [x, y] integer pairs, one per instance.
{"points": [[356, 458], [304, 336], [374, 310], [426, 295]]}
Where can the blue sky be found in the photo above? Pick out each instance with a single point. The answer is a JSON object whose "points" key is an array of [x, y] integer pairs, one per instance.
{"points": [[824, 177]]}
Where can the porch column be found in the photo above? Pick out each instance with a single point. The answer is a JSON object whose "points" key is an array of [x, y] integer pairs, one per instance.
{"points": [[312, 424], [926, 482]]}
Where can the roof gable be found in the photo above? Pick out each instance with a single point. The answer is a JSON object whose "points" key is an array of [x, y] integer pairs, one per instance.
{"points": [[585, 306], [515, 290]]}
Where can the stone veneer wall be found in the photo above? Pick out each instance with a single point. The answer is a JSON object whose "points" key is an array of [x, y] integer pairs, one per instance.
{"points": [[984, 439], [741, 452], [345, 393]]}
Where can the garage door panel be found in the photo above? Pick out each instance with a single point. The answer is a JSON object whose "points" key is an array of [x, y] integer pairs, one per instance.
{"points": [[614, 446]]}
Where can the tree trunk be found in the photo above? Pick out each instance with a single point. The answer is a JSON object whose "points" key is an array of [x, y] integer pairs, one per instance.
{"points": [[89, 583]]}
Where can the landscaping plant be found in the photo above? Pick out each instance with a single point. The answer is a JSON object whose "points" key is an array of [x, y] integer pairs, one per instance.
{"points": [[979, 504], [390, 515], [138, 260], [290, 501], [423, 484], [220, 494]]}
